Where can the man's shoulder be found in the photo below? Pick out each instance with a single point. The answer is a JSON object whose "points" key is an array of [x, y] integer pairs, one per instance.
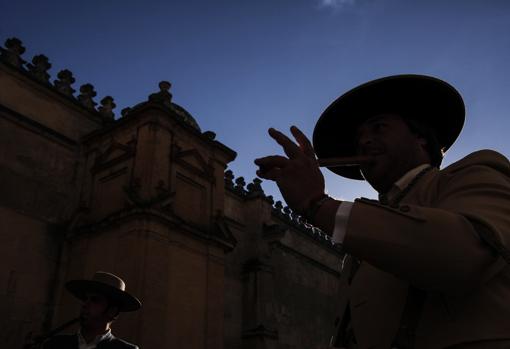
{"points": [[486, 158], [116, 343]]}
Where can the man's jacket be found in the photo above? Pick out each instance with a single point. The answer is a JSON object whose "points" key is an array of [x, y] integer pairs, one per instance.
{"points": [[439, 239], [70, 341]]}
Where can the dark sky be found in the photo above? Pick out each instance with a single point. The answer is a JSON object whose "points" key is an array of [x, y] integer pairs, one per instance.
{"points": [[240, 67]]}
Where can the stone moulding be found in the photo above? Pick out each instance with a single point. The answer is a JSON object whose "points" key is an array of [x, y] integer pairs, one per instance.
{"points": [[219, 238], [221, 231], [40, 127], [203, 169], [103, 160]]}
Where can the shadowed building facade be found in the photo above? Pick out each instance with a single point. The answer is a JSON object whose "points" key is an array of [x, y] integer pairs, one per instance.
{"points": [[216, 263]]}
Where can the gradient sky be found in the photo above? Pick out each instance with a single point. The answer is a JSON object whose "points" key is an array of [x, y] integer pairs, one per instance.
{"points": [[240, 66]]}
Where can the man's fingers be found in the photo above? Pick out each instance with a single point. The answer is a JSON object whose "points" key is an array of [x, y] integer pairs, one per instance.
{"points": [[273, 174], [303, 141], [272, 161], [270, 167], [275, 166], [289, 147]]}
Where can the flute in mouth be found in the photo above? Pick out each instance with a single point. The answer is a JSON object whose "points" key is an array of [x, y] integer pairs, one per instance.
{"points": [[345, 161]]}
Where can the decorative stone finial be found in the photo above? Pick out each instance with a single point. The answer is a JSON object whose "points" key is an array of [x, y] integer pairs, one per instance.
{"points": [[210, 134], [164, 85], [39, 68], [229, 178], [107, 106], [86, 95], [13, 53], [64, 82], [255, 187], [163, 96], [240, 183], [125, 111]]}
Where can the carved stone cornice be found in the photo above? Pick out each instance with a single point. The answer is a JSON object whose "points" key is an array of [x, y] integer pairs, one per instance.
{"points": [[192, 160], [167, 219], [163, 200], [221, 232], [114, 153]]}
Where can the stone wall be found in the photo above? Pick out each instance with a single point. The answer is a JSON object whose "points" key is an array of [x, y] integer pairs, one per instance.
{"points": [[281, 279], [145, 195]]}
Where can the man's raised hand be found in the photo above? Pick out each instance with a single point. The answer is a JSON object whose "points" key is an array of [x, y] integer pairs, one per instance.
{"points": [[298, 175]]}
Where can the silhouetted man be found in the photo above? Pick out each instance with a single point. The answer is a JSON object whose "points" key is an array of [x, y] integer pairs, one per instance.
{"points": [[103, 297], [426, 266]]}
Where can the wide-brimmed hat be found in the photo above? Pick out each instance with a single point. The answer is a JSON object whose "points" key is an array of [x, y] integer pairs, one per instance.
{"points": [[107, 284], [427, 99]]}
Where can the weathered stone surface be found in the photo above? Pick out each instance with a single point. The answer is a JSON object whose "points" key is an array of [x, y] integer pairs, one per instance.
{"points": [[285, 279]]}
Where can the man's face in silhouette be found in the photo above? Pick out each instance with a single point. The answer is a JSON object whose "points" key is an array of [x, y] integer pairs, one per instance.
{"points": [[395, 148], [96, 311]]}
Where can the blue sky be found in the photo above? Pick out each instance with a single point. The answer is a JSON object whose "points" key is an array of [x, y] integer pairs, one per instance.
{"points": [[240, 67]]}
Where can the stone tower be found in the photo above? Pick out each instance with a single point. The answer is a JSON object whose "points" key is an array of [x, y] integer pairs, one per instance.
{"points": [[141, 196]]}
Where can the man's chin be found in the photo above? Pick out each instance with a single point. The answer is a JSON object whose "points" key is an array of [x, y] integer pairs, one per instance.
{"points": [[374, 173], [371, 170]]}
